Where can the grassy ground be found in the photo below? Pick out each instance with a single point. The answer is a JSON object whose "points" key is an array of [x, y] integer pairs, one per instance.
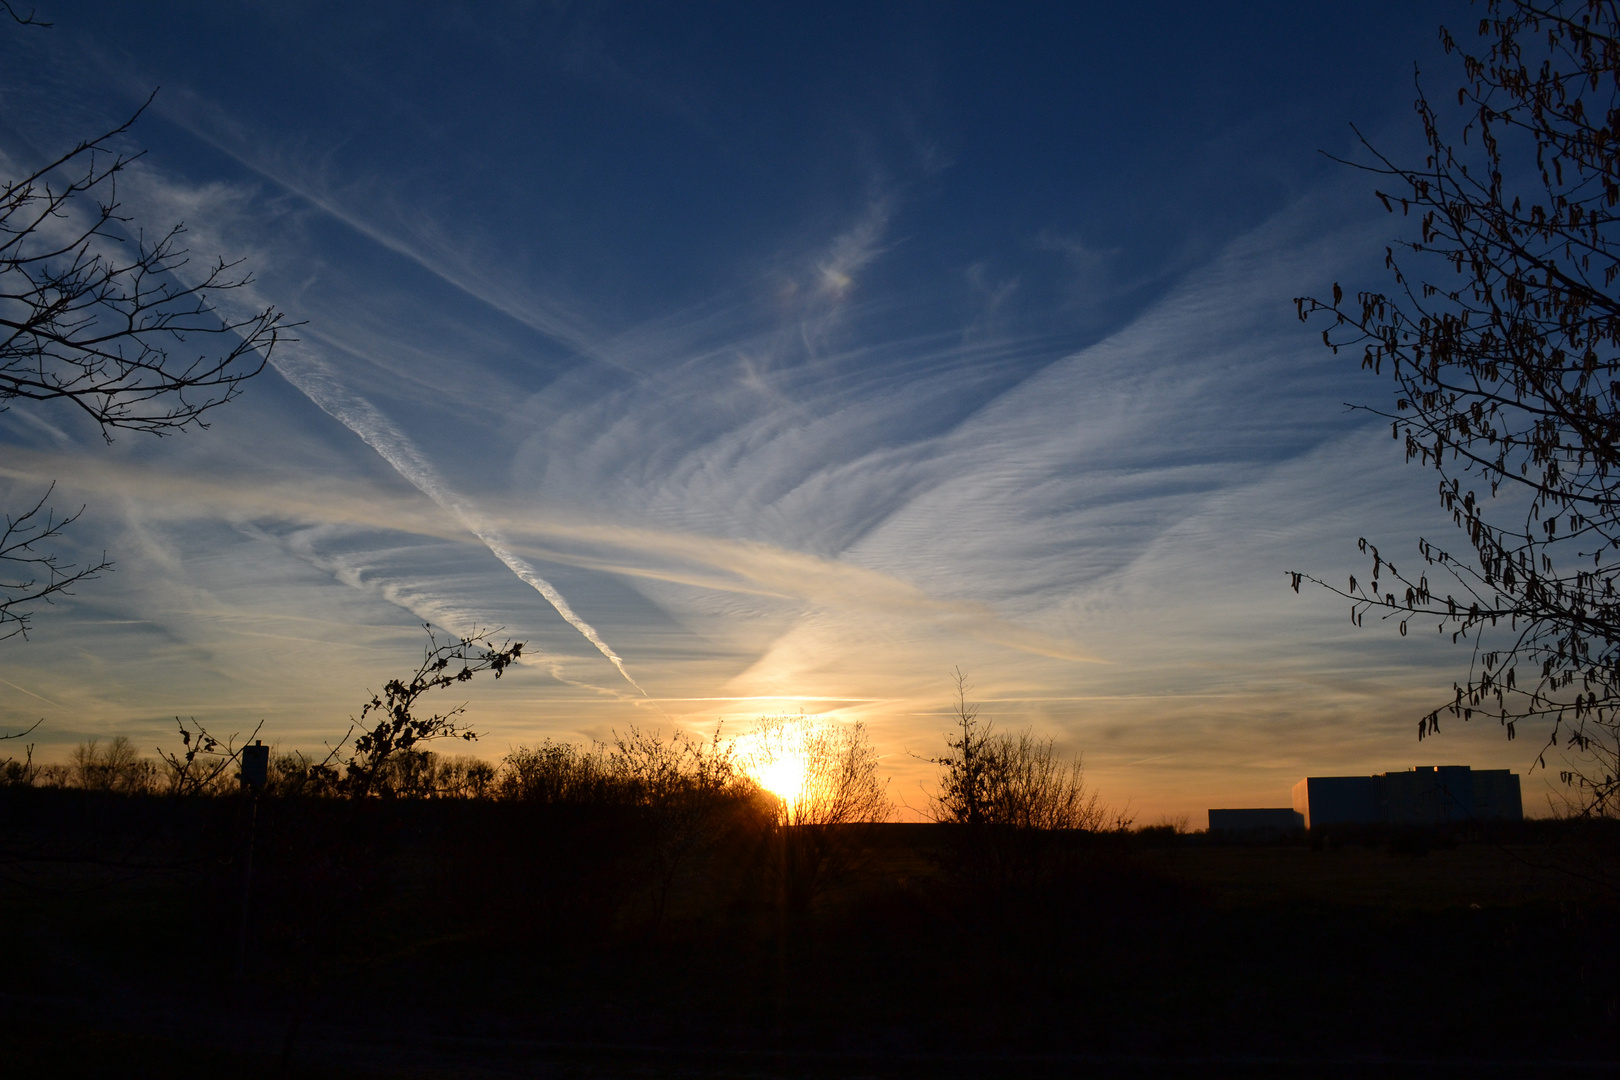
{"points": [[1484, 873], [498, 940]]}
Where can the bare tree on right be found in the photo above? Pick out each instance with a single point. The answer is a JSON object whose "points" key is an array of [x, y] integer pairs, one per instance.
{"points": [[1501, 332]]}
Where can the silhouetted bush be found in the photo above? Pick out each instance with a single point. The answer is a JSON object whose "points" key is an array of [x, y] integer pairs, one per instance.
{"points": [[824, 793], [1012, 801], [19, 773], [113, 766], [558, 773]]}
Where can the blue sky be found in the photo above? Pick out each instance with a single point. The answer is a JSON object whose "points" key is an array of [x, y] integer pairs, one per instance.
{"points": [[744, 359]]}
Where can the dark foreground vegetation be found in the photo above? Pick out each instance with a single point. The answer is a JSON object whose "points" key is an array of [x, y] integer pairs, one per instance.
{"points": [[565, 933], [646, 907]]}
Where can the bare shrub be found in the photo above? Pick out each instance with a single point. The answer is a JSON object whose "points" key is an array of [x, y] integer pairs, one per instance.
{"points": [[424, 774], [54, 775], [1017, 781], [205, 764], [1018, 803], [1030, 787], [823, 785], [114, 766], [296, 776], [556, 773], [461, 776]]}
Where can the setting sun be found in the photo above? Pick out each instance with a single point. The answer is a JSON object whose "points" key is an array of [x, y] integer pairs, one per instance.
{"points": [[824, 772], [778, 758]]}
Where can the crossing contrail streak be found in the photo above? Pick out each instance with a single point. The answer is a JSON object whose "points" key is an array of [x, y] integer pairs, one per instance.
{"points": [[526, 573], [362, 418]]}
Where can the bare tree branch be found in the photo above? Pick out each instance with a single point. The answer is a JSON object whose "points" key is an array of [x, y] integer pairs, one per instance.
{"points": [[29, 574], [97, 314], [397, 728], [24, 20], [1502, 335]]}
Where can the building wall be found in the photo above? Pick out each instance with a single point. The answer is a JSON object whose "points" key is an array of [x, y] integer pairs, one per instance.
{"points": [[1279, 819], [1497, 795], [1426, 795], [1338, 800]]}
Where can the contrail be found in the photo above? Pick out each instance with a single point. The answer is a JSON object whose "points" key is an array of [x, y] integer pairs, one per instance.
{"points": [[47, 700], [362, 418], [526, 573]]}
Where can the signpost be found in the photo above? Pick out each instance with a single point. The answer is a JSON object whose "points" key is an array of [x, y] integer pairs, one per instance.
{"points": [[255, 771]]}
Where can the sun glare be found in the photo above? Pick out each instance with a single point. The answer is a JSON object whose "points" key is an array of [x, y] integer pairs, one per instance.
{"points": [[777, 758], [783, 777]]}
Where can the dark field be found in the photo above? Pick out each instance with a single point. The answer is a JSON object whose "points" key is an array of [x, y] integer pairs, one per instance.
{"points": [[472, 938]]}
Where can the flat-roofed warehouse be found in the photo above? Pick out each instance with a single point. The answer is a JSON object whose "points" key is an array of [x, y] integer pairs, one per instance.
{"points": [[1426, 795], [1277, 819]]}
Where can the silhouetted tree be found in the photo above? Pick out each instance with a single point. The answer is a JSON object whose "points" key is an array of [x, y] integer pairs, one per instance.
{"points": [[1016, 781], [203, 764], [396, 727], [823, 782], [1502, 334], [113, 766], [97, 314], [1011, 796], [961, 794]]}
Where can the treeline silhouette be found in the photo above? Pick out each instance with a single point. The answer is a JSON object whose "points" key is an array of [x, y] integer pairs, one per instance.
{"points": [[648, 892], [633, 768], [640, 894]]}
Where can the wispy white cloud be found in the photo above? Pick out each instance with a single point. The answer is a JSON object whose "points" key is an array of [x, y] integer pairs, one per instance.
{"points": [[794, 491], [852, 251], [359, 416], [420, 241]]}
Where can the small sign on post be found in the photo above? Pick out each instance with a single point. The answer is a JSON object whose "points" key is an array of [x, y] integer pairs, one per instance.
{"points": [[255, 771], [255, 765]]}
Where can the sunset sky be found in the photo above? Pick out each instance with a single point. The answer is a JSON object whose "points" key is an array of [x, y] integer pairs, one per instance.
{"points": [[794, 355]]}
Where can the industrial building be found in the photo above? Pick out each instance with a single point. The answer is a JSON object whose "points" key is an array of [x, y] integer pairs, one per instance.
{"points": [[1427, 795], [1268, 819]]}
